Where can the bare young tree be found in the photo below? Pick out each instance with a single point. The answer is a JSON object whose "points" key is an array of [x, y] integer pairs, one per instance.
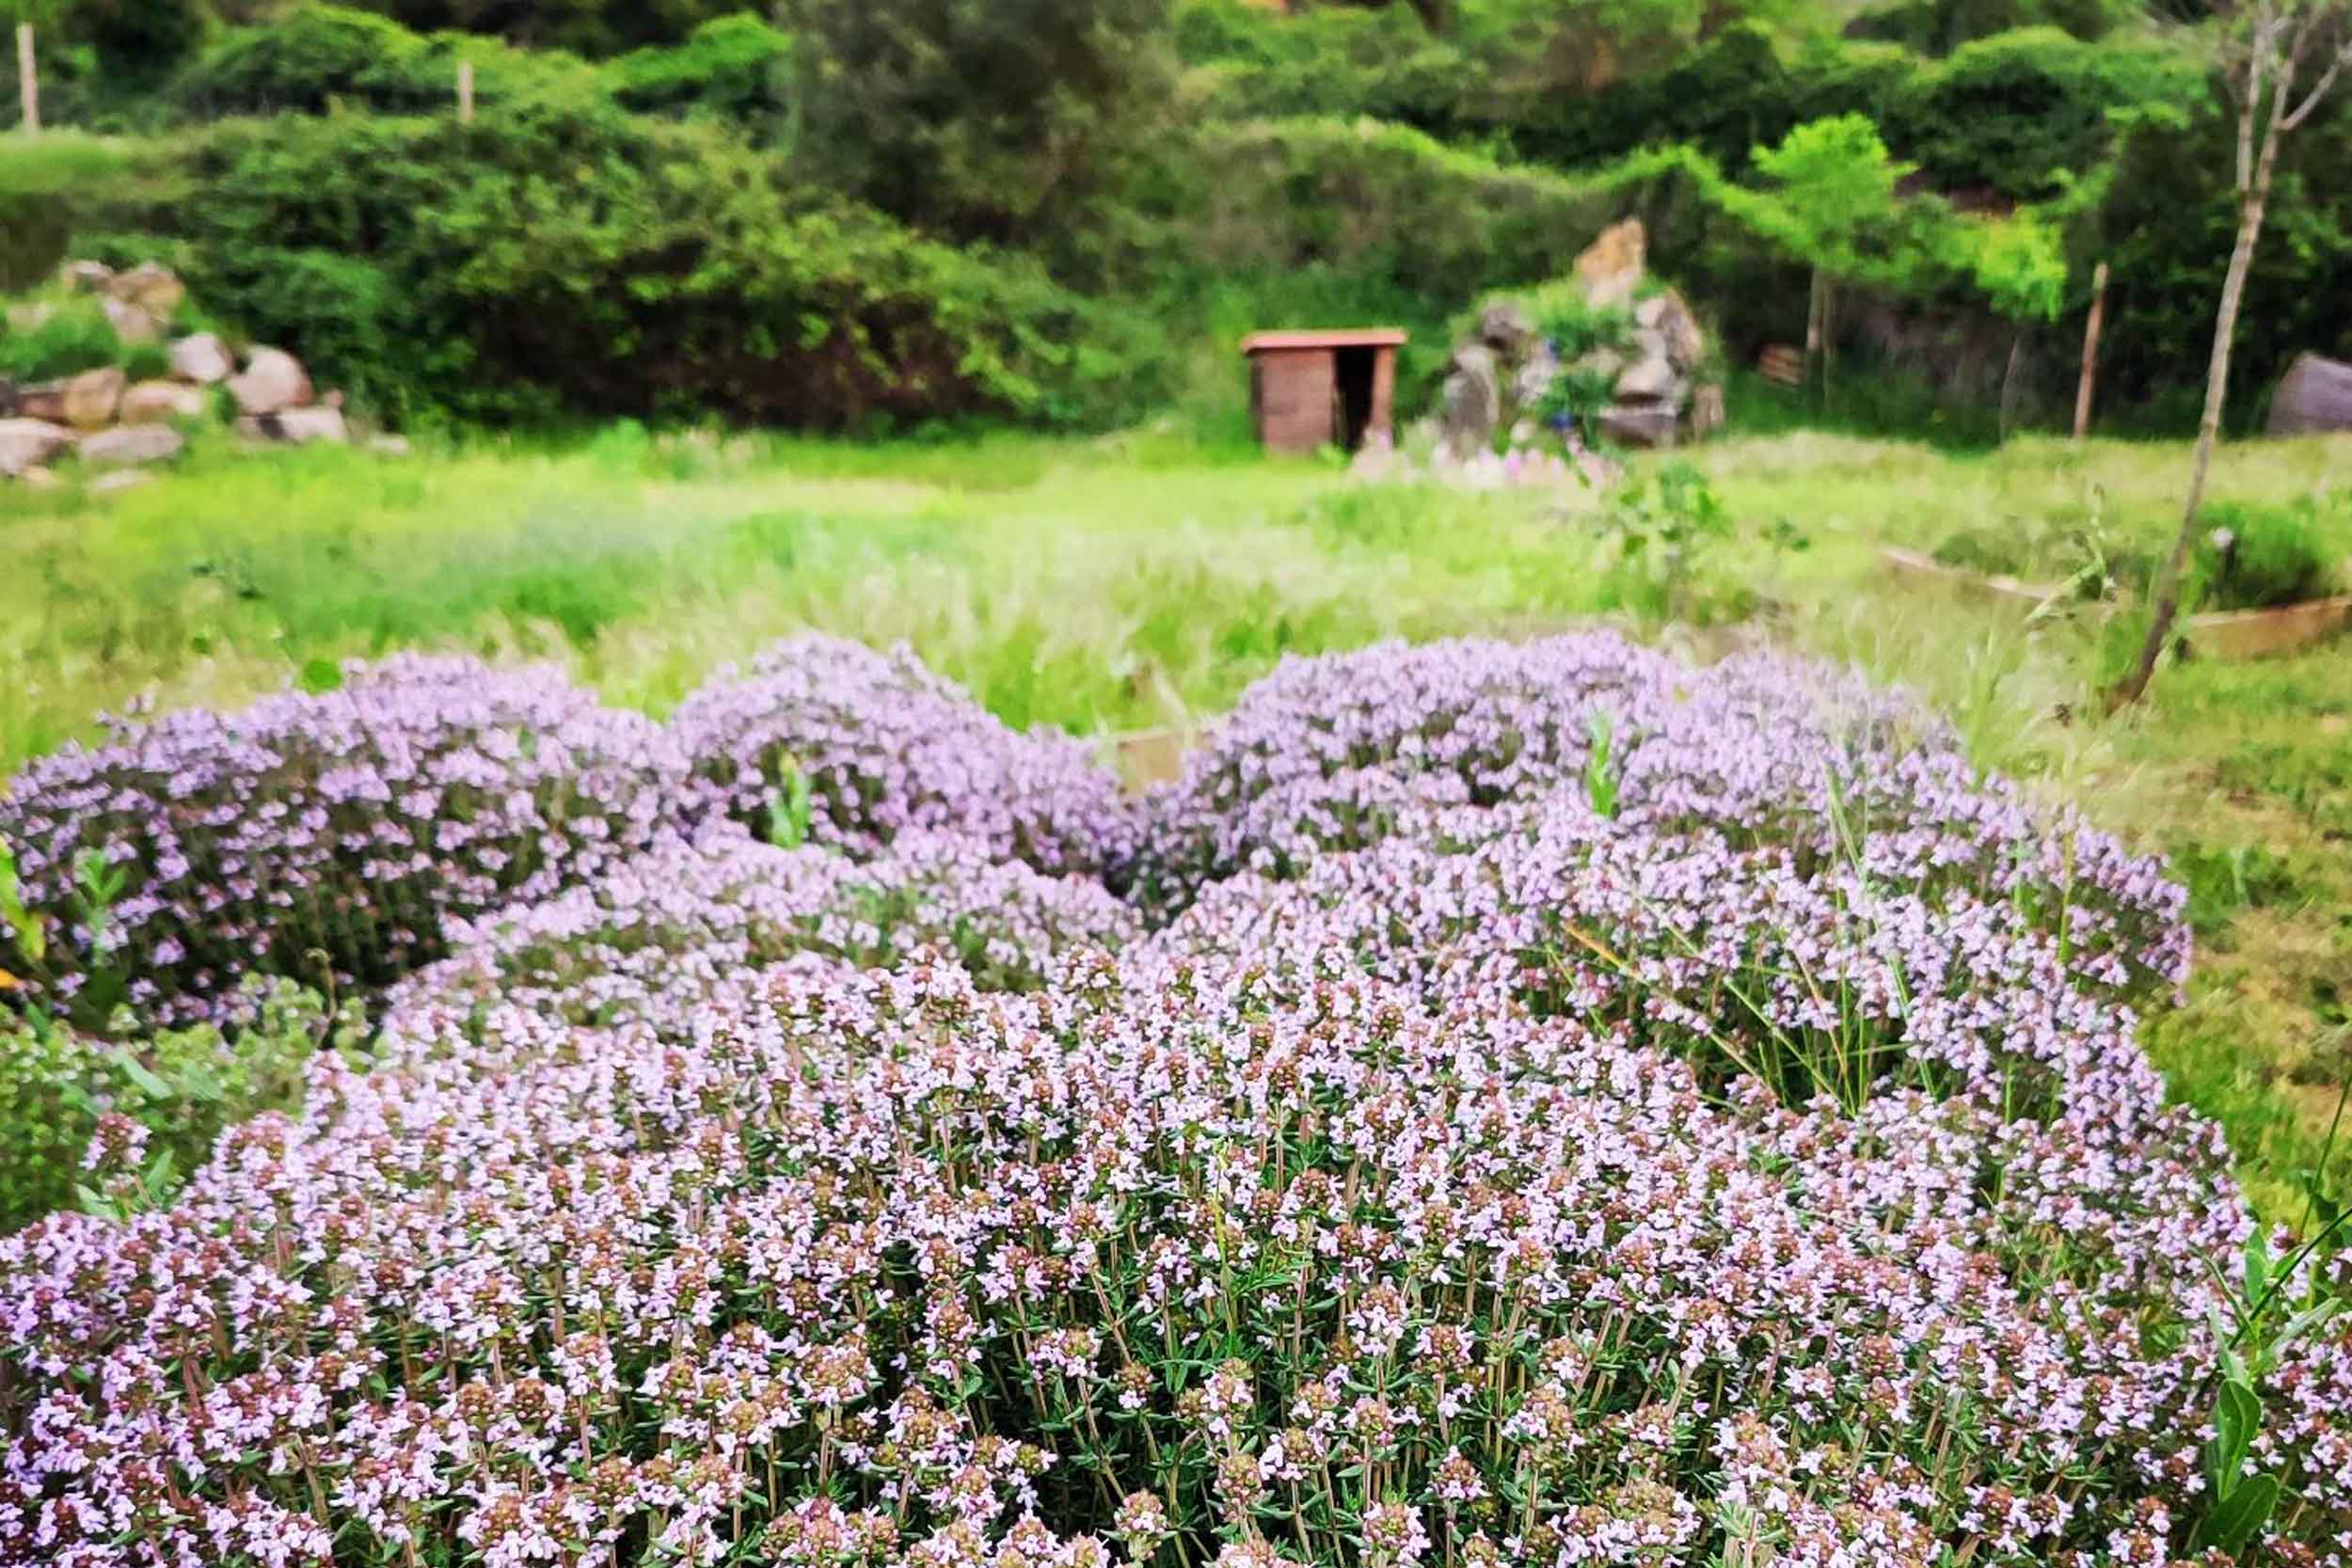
{"points": [[2271, 45]]}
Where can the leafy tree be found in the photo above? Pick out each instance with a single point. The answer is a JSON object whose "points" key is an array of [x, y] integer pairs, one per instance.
{"points": [[1835, 181], [1005, 120], [2019, 265], [2269, 47]]}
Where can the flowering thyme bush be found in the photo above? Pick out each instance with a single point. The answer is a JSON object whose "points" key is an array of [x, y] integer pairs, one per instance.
{"points": [[322, 837], [1592, 1172], [684, 916], [882, 746], [1327, 754]]}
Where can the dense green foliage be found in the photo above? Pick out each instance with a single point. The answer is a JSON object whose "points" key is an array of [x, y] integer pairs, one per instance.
{"points": [[1004, 120], [331, 57], [183, 1085], [1941, 27], [587, 26], [735, 68], [2258, 557], [1203, 161], [561, 257]]}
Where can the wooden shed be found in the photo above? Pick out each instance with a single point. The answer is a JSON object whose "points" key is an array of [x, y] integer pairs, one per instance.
{"points": [[1308, 391]]}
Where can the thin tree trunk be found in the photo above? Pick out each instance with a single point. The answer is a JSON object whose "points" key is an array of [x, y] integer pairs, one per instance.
{"points": [[1817, 312], [1829, 335], [28, 79], [2086, 387], [2009, 383], [2252, 210]]}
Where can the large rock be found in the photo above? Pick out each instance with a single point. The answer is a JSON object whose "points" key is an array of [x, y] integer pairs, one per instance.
{"points": [[2317, 395], [1644, 424], [273, 380], [1678, 333], [42, 399], [203, 358], [297, 426], [1472, 401], [131, 446], [85, 277], [92, 397], [133, 323], [162, 402], [153, 287], [1612, 267], [1538, 371], [1650, 379], [1505, 328], [26, 444]]}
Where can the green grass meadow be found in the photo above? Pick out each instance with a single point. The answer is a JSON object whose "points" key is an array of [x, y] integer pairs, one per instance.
{"points": [[1137, 583]]}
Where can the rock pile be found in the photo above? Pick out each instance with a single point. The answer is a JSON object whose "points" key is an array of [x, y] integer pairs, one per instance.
{"points": [[1505, 370], [111, 422]]}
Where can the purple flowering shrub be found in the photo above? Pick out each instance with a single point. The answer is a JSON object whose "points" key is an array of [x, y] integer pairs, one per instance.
{"points": [[1642, 1167], [1331, 754], [837, 1266], [883, 746], [322, 837], [679, 919]]}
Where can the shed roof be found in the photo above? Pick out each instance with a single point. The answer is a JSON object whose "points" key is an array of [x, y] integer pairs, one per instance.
{"points": [[1351, 336]]}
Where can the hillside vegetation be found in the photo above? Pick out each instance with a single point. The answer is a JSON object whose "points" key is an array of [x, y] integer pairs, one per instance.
{"points": [[1059, 213]]}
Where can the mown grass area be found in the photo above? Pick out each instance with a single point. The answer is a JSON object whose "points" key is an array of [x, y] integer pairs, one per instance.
{"points": [[1139, 582]]}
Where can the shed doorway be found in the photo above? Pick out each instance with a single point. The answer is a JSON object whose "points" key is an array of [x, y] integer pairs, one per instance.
{"points": [[1351, 394]]}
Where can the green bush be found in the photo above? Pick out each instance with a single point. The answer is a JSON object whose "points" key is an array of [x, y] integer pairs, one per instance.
{"points": [[593, 28], [73, 337], [322, 57], [562, 257], [1740, 91], [1003, 121], [1326, 60], [2023, 113], [183, 1086], [737, 67], [1945, 26], [1389, 203], [2262, 557]]}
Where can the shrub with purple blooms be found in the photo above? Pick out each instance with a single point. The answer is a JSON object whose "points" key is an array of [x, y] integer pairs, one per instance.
{"points": [[1331, 754], [686, 915], [866, 746], [1693, 1159], [322, 837]]}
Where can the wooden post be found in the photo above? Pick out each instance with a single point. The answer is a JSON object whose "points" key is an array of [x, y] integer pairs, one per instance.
{"points": [[465, 92], [2090, 351], [2008, 381], [1814, 310], [28, 79]]}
